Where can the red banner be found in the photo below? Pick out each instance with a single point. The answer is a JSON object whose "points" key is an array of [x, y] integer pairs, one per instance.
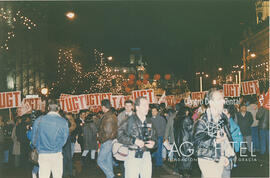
{"points": [[73, 103], [96, 98], [149, 94], [10, 99], [198, 95], [35, 103], [24, 109], [231, 90], [250, 87]]}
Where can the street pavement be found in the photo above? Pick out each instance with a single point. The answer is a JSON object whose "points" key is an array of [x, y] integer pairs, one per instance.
{"points": [[246, 167]]}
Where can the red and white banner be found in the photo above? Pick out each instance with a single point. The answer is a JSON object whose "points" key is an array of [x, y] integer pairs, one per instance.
{"points": [[96, 98], [198, 95], [250, 87], [24, 109], [170, 100], [231, 90], [35, 103], [73, 103], [10, 99], [149, 94]]}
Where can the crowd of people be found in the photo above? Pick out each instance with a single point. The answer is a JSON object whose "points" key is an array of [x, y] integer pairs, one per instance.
{"points": [[214, 134]]}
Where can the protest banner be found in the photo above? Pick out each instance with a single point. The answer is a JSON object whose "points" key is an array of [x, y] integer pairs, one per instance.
{"points": [[24, 109], [149, 94], [231, 90], [10, 99], [198, 95], [250, 87], [170, 100], [96, 98], [35, 103], [73, 103]]}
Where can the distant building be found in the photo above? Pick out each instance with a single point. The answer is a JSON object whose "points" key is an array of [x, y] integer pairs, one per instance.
{"points": [[255, 45], [22, 65]]}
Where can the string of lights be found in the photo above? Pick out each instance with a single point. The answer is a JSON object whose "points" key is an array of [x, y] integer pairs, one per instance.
{"points": [[12, 20]]}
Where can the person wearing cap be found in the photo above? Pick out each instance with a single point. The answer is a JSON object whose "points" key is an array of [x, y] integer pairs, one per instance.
{"points": [[107, 132], [49, 135]]}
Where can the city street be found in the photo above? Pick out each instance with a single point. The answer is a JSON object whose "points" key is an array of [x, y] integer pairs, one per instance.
{"points": [[253, 168], [134, 80]]}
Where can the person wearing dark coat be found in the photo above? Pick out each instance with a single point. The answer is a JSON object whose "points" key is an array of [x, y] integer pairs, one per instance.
{"points": [[184, 141], [24, 141], [90, 137], [79, 125], [245, 120], [263, 117]]}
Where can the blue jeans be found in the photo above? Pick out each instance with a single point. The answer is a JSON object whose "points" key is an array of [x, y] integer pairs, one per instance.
{"points": [[158, 154], [255, 138], [264, 138], [72, 148], [105, 160]]}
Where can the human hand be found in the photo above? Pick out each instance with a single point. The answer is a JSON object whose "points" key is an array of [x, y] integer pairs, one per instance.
{"points": [[150, 144], [139, 143]]}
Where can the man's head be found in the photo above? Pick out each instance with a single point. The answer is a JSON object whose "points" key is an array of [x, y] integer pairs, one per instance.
{"points": [[243, 108], [216, 100], [53, 105], [106, 105], [154, 111], [128, 106], [142, 106], [82, 114]]}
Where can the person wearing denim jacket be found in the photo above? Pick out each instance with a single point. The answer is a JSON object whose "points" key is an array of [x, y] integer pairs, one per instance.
{"points": [[49, 135]]}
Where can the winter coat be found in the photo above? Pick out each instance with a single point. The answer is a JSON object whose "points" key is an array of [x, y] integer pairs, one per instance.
{"points": [[132, 129], [90, 136], [186, 141], [205, 133], [16, 143], [236, 135], [169, 131], [245, 123], [122, 117], [160, 124], [108, 127], [263, 117]]}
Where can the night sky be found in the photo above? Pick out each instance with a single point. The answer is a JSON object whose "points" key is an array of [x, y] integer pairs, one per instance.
{"points": [[167, 32]]}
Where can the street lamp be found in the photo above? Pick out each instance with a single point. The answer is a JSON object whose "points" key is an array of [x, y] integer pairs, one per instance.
{"points": [[110, 58], [220, 69], [253, 55], [214, 82], [206, 75], [45, 91], [70, 15]]}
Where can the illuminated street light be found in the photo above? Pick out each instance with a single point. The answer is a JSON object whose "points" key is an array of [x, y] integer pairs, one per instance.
{"points": [[124, 70], [214, 82], [70, 15], [220, 69], [110, 58], [206, 75], [253, 55], [44, 91]]}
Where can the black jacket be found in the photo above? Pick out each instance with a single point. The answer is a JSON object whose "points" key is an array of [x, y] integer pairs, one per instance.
{"points": [[205, 133], [245, 123], [132, 129], [263, 117]]}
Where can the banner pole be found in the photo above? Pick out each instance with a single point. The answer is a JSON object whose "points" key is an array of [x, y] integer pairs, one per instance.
{"points": [[10, 114]]}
